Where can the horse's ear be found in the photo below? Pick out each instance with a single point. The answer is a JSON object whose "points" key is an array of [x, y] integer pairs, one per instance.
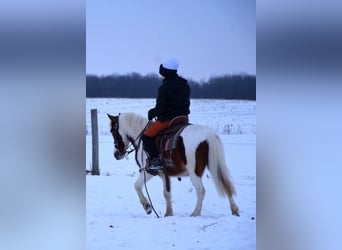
{"points": [[110, 116]]}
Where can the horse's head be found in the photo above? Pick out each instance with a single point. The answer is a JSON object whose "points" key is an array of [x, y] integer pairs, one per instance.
{"points": [[120, 140]]}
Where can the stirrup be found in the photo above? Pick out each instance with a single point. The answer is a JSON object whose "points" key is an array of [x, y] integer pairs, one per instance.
{"points": [[154, 166], [151, 172]]}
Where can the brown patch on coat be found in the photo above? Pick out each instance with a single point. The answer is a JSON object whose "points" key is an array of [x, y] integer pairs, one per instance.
{"points": [[167, 183], [201, 154], [114, 130]]}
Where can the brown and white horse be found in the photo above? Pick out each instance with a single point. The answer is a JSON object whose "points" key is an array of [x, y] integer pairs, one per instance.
{"points": [[198, 147]]}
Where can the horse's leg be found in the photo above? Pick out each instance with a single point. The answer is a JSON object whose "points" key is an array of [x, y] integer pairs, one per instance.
{"points": [[167, 194], [233, 207], [138, 188], [200, 192]]}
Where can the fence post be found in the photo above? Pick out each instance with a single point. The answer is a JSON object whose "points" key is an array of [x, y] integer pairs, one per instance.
{"points": [[95, 143]]}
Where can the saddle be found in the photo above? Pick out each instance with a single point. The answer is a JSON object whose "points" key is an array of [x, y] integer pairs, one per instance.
{"points": [[166, 141]]}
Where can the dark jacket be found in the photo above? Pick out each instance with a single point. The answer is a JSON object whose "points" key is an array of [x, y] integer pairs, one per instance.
{"points": [[173, 99]]}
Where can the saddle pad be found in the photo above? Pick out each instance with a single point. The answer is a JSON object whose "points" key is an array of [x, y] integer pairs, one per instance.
{"points": [[171, 142]]}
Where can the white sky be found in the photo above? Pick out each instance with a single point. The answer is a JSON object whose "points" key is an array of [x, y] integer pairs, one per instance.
{"points": [[209, 38]]}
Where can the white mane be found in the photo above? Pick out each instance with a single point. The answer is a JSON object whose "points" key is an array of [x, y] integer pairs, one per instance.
{"points": [[132, 124]]}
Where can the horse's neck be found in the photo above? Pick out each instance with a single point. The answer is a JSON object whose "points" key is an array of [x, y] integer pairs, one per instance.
{"points": [[134, 124]]}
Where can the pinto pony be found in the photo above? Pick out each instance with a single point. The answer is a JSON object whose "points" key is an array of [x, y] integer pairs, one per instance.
{"points": [[198, 147]]}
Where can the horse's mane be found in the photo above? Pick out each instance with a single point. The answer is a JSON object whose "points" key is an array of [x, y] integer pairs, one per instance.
{"points": [[132, 123]]}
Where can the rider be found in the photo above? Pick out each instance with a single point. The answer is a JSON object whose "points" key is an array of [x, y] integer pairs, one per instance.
{"points": [[173, 100]]}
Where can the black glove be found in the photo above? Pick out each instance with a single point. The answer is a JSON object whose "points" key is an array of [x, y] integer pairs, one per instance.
{"points": [[151, 114]]}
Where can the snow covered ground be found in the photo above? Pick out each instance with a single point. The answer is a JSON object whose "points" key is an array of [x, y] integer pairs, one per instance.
{"points": [[115, 217]]}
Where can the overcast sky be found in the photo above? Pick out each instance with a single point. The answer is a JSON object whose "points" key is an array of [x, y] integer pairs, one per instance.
{"points": [[209, 38]]}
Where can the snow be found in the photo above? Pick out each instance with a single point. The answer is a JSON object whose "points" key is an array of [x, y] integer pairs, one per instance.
{"points": [[115, 218]]}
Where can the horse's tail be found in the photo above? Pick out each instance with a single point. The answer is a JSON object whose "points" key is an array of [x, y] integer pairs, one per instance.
{"points": [[218, 168]]}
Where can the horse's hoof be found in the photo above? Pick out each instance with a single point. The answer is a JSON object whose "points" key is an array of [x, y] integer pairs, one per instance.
{"points": [[148, 208], [236, 213]]}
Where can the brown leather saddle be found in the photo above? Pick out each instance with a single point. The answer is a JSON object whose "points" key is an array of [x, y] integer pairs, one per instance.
{"points": [[166, 141]]}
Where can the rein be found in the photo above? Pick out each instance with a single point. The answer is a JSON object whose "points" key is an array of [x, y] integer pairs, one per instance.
{"points": [[137, 138], [148, 196], [143, 169], [128, 151]]}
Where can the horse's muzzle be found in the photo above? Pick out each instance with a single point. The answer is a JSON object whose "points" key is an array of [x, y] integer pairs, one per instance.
{"points": [[118, 155]]}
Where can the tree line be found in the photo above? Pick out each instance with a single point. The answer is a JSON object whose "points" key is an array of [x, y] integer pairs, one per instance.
{"points": [[134, 85]]}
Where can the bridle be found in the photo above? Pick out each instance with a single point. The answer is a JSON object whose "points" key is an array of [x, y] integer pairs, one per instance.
{"points": [[121, 149]]}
